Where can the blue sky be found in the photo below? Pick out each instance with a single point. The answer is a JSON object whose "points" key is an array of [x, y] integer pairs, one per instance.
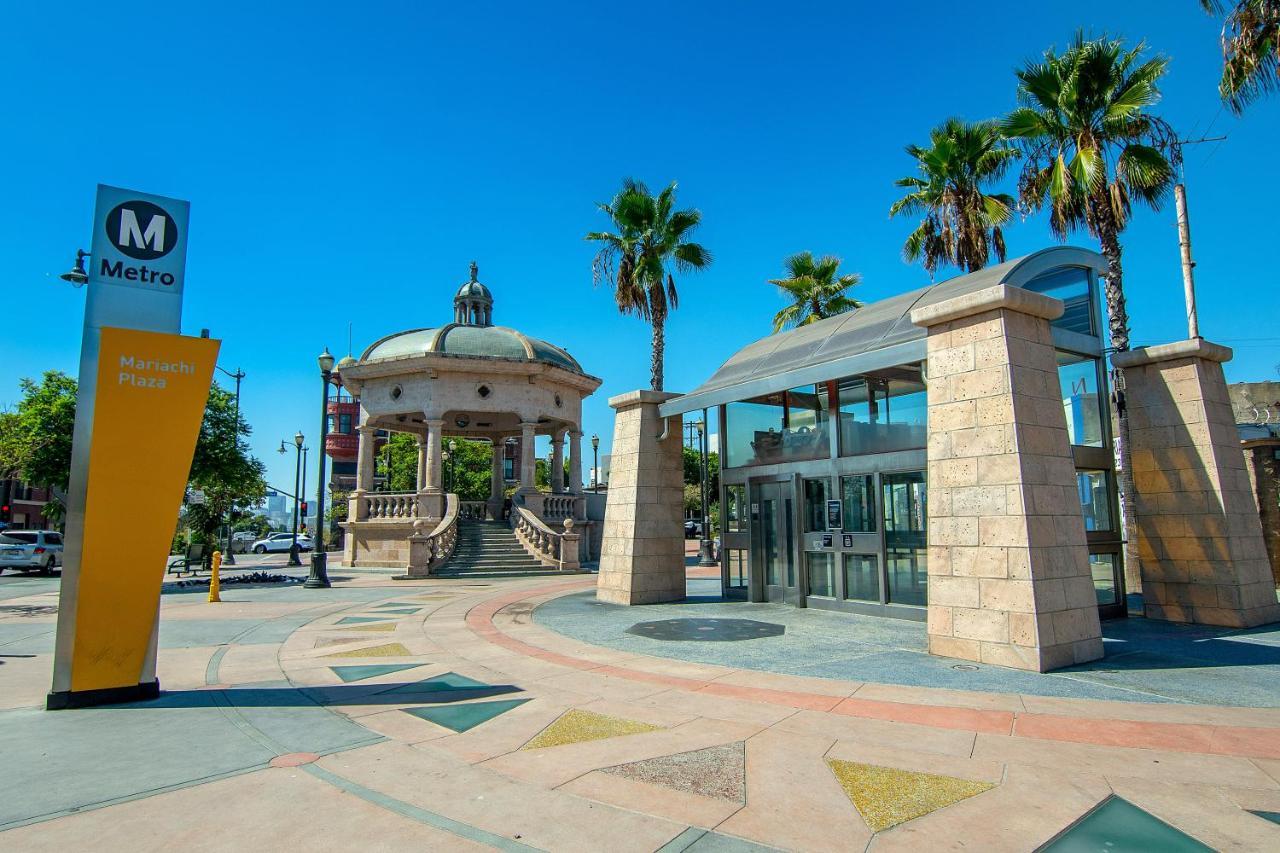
{"points": [[346, 162]]}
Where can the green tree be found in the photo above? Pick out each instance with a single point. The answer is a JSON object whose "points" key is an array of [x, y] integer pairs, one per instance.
{"points": [[1250, 49], [650, 239], [816, 290], [467, 472], [1092, 149], [693, 470], [961, 223], [35, 438], [222, 467]]}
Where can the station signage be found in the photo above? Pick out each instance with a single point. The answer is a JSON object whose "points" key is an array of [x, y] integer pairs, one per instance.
{"points": [[139, 240]]}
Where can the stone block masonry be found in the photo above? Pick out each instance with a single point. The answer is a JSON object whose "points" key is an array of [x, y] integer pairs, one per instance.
{"points": [[642, 549], [1009, 579], [1204, 558]]}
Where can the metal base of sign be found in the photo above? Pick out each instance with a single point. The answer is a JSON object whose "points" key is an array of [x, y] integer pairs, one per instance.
{"points": [[64, 699]]}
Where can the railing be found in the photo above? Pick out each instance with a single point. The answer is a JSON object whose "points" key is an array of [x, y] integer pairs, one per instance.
{"points": [[389, 506], [556, 550], [560, 506], [474, 510], [430, 551]]}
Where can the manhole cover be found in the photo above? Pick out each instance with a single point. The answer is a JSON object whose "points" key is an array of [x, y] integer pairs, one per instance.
{"points": [[707, 630]]}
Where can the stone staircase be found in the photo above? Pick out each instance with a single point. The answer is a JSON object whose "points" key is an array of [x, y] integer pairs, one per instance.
{"points": [[488, 549]]}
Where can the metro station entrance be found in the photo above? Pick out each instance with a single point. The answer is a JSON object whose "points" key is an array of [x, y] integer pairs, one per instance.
{"points": [[773, 541]]}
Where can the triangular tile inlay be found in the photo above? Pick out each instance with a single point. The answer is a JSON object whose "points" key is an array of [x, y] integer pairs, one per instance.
{"points": [[576, 726], [383, 611], [385, 627], [360, 672], [1274, 817], [389, 650], [887, 796], [1118, 826], [460, 718], [356, 620], [442, 683], [717, 771], [325, 642]]}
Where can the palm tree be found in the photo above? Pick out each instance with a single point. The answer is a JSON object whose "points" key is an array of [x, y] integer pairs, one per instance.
{"points": [[651, 237], [1250, 50], [816, 290], [1092, 148], [961, 223]]}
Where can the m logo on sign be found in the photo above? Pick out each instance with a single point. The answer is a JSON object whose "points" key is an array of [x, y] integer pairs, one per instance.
{"points": [[141, 230]]}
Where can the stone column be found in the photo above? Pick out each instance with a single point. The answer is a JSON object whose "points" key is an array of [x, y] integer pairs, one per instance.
{"points": [[431, 497], [356, 507], [422, 463], [642, 554], [1009, 578], [527, 464], [1204, 558], [1260, 462], [575, 462], [497, 484], [557, 462]]}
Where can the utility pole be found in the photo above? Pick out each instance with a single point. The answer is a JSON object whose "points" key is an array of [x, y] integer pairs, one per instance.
{"points": [[229, 559], [1184, 237]]}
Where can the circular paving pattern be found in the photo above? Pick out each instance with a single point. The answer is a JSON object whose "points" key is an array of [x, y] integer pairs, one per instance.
{"points": [[707, 630]]}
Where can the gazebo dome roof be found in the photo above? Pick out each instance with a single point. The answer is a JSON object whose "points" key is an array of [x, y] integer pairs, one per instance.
{"points": [[471, 335], [470, 342]]}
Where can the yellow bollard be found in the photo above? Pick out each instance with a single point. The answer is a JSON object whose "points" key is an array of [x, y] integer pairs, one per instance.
{"points": [[214, 586]]}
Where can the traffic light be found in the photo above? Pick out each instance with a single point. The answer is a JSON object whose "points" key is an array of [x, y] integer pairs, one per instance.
{"points": [[6, 513], [304, 507]]}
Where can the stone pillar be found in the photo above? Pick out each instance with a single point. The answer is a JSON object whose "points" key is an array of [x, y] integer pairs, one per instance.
{"points": [[1260, 461], [357, 510], [1204, 558], [557, 462], [497, 483], [575, 462], [642, 553], [431, 496], [422, 462], [528, 467], [1009, 579]]}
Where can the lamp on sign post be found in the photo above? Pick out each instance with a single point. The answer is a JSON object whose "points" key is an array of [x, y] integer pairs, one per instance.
{"points": [[595, 463], [297, 477], [319, 577], [76, 275]]}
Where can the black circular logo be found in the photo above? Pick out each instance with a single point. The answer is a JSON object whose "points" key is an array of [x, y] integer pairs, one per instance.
{"points": [[142, 230]]}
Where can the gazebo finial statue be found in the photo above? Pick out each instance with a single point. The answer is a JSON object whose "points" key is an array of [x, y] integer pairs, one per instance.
{"points": [[473, 306]]}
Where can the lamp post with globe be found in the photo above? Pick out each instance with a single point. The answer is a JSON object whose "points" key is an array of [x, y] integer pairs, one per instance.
{"points": [[319, 577]]}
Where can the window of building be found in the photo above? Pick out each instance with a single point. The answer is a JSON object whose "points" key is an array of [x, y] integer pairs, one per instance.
{"points": [[1103, 568], [822, 573], [344, 423], [1072, 286], [858, 496], [736, 564], [735, 509], [786, 426], [816, 495], [883, 412], [1095, 499], [861, 577], [1078, 378], [905, 518]]}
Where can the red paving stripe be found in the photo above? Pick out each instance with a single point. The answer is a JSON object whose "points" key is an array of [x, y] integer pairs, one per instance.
{"points": [[1239, 741], [937, 716]]}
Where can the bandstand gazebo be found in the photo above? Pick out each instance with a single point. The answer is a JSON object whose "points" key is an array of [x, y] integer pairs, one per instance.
{"points": [[473, 380]]}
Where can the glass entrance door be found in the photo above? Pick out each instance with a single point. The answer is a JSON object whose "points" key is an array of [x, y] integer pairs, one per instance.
{"points": [[905, 517], [773, 540]]}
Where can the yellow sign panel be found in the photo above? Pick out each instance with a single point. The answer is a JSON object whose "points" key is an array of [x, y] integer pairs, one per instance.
{"points": [[151, 395]]}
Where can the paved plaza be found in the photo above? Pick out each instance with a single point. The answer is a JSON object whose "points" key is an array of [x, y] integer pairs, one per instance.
{"points": [[520, 714]]}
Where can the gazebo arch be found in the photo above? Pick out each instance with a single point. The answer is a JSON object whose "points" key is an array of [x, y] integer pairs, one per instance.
{"points": [[468, 380]]}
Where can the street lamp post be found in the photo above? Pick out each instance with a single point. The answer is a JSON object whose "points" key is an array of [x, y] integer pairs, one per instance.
{"points": [[706, 553], [319, 577], [595, 463], [297, 495], [453, 465], [448, 475], [229, 557]]}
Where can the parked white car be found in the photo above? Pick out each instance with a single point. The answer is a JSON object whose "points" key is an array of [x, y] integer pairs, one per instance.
{"points": [[31, 550], [281, 542]]}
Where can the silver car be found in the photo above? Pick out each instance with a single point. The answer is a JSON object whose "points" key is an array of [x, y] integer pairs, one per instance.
{"points": [[31, 550], [281, 542]]}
